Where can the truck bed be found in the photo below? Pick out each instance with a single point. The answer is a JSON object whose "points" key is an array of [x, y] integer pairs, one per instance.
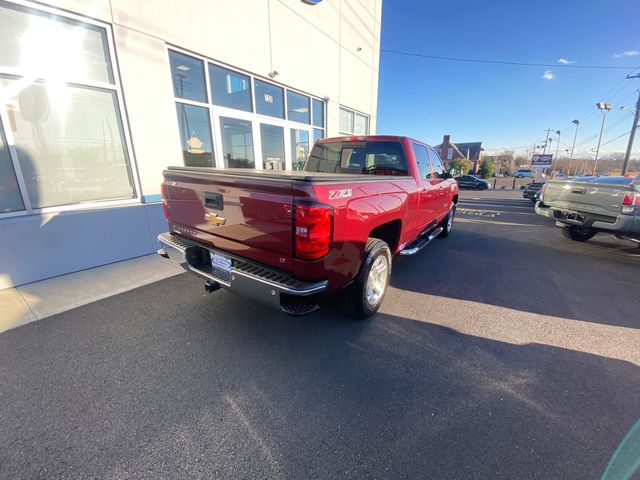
{"points": [[600, 196]]}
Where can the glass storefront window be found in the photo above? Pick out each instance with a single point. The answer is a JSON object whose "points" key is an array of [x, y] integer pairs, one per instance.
{"points": [[45, 45], [346, 121], [237, 143], [297, 107], [195, 135], [318, 113], [10, 199], [318, 133], [299, 148], [230, 89], [187, 76], [69, 142], [269, 99], [272, 139], [361, 125]]}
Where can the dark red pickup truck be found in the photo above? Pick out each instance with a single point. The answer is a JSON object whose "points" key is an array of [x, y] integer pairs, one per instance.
{"points": [[287, 237]]}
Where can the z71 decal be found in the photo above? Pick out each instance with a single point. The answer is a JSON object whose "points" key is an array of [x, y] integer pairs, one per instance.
{"points": [[333, 194]]}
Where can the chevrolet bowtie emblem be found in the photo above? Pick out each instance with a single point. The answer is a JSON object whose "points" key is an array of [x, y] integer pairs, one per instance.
{"points": [[214, 219]]}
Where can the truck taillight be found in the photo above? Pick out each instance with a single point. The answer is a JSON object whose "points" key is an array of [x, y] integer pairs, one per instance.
{"points": [[630, 201], [544, 187], [165, 208], [313, 231]]}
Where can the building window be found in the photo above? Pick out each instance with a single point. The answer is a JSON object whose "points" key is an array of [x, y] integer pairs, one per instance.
{"points": [[66, 126], [269, 99], [195, 135], [272, 139], [10, 199], [298, 107], [237, 143], [299, 148], [187, 74], [230, 89], [218, 124], [318, 120], [353, 123]]}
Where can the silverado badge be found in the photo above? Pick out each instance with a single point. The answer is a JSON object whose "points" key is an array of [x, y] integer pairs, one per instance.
{"points": [[214, 219]]}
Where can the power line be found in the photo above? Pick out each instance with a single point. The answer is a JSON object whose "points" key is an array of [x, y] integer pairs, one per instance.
{"points": [[504, 62], [614, 139]]}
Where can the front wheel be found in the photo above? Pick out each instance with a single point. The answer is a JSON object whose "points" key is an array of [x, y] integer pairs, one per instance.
{"points": [[578, 234], [363, 297]]}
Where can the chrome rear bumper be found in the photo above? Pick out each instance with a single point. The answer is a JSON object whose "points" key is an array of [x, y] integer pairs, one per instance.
{"points": [[245, 278]]}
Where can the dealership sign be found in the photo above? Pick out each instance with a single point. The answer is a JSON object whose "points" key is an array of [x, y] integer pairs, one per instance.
{"points": [[542, 160]]}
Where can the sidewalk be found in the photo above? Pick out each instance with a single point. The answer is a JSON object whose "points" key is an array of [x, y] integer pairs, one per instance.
{"points": [[35, 301]]}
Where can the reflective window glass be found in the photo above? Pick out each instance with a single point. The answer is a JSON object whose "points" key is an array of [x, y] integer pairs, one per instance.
{"points": [[69, 142], [318, 113], [10, 199], [361, 125], [187, 75], [49, 46], [269, 99], [195, 135], [346, 121], [230, 89], [438, 168], [237, 143], [298, 107], [299, 148], [317, 134], [422, 159], [272, 139]]}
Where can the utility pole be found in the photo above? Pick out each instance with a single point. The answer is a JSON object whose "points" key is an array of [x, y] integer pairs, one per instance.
{"points": [[632, 135]]}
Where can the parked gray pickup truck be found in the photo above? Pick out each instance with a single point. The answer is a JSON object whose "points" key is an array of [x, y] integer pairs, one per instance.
{"points": [[585, 206]]}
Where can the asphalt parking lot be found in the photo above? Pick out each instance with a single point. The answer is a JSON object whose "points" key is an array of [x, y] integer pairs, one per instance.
{"points": [[504, 351]]}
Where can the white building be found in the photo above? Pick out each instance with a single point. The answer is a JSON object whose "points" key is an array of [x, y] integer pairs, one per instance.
{"points": [[98, 96]]}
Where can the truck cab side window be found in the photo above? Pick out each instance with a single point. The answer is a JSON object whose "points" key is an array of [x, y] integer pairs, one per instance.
{"points": [[422, 159], [438, 169]]}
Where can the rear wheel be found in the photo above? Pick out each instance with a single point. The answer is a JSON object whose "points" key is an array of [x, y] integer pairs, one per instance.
{"points": [[578, 234], [363, 297], [447, 223]]}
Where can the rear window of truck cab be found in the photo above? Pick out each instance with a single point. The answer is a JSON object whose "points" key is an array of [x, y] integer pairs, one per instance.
{"points": [[368, 158]]}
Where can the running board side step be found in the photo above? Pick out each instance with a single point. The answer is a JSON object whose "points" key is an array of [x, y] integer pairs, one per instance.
{"points": [[421, 242]]}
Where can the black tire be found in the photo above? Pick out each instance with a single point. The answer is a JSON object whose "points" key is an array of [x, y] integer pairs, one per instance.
{"points": [[578, 234], [353, 298], [446, 226]]}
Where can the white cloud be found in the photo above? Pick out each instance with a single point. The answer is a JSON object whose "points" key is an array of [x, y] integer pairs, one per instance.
{"points": [[564, 61], [548, 75], [628, 53]]}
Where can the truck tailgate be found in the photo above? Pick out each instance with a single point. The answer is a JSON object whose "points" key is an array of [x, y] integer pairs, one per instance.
{"points": [[588, 197], [246, 216]]}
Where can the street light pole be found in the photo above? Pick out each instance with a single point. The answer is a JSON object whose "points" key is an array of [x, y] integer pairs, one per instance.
{"points": [[575, 135], [604, 107], [632, 135], [555, 160], [546, 141]]}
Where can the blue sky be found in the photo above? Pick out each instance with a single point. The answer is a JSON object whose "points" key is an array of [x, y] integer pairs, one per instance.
{"points": [[508, 106]]}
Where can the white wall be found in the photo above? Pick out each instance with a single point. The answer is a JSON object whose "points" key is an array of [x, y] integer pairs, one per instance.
{"points": [[330, 50]]}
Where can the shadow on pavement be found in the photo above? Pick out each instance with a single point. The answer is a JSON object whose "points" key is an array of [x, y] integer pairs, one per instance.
{"points": [[166, 382], [522, 275]]}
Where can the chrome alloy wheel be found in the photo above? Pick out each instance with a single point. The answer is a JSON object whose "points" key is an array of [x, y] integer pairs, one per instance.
{"points": [[377, 280], [452, 214]]}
